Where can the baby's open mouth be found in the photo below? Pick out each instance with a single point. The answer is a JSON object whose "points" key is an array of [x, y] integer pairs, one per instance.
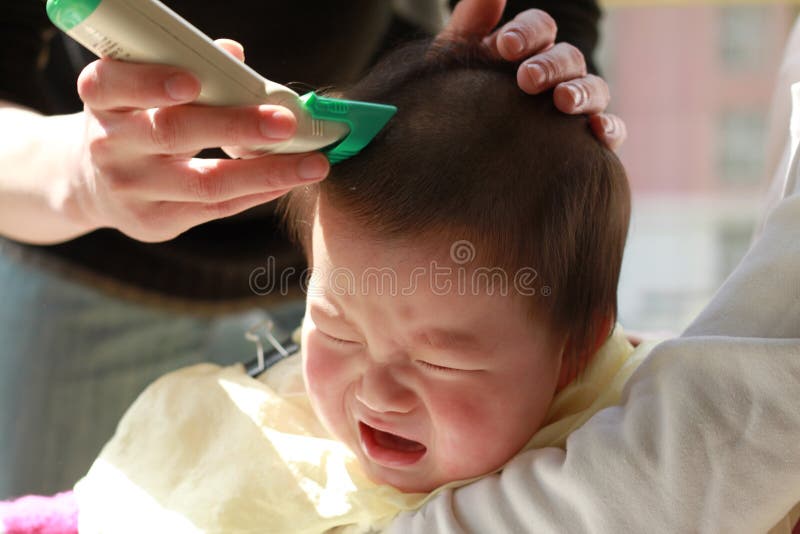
{"points": [[389, 449]]}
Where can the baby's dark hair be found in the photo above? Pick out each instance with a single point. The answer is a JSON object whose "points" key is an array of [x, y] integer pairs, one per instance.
{"points": [[469, 156]]}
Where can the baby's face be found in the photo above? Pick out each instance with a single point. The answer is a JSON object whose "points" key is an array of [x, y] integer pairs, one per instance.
{"points": [[426, 385]]}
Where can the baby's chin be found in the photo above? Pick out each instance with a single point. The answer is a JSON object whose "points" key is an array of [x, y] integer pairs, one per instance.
{"points": [[406, 482], [424, 479]]}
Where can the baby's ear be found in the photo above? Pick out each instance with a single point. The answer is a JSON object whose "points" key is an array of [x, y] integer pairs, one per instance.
{"points": [[571, 369], [606, 324]]}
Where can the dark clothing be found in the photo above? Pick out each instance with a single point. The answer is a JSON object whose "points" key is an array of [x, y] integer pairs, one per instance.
{"points": [[213, 262]]}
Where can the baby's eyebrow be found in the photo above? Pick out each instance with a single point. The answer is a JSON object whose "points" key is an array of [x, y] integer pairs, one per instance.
{"points": [[328, 311], [448, 339]]}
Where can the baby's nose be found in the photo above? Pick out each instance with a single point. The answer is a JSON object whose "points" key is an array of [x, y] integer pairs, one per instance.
{"points": [[380, 391]]}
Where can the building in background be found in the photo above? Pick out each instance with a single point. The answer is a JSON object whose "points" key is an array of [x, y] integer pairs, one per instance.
{"points": [[693, 84]]}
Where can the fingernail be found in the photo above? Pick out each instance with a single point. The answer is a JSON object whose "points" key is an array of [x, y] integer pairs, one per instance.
{"points": [[513, 42], [575, 94], [537, 74], [608, 124], [239, 48], [181, 87], [278, 125], [313, 167]]}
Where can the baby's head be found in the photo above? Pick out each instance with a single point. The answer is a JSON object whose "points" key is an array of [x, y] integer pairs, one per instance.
{"points": [[464, 268]]}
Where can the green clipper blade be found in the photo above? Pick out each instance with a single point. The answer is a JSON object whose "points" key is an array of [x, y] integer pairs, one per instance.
{"points": [[365, 120], [67, 14]]}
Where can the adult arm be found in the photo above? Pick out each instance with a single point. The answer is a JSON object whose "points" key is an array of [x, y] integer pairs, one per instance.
{"points": [[34, 154], [36, 158], [126, 160]]}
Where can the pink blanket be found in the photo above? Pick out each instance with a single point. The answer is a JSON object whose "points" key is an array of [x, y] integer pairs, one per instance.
{"points": [[33, 514]]}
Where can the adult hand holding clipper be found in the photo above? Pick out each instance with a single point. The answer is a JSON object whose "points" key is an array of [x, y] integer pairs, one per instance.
{"points": [[138, 169], [173, 191], [129, 158]]}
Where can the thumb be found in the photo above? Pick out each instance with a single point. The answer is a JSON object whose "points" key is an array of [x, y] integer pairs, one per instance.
{"points": [[474, 18], [232, 47]]}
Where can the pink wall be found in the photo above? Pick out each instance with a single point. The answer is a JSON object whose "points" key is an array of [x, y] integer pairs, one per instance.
{"points": [[671, 85]]}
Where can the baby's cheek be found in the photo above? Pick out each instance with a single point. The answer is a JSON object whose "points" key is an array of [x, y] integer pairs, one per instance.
{"points": [[474, 436], [318, 365], [327, 377], [325, 372], [459, 418]]}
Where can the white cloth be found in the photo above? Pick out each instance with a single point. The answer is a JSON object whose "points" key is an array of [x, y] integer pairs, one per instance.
{"points": [[780, 147], [708, 436]]}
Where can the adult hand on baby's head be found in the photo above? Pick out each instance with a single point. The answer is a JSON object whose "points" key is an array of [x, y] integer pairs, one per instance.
{"points": [[137, 171], [530, 38]]}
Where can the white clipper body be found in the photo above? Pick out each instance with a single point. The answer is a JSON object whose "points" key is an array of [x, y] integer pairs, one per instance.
{"points": [[147, 31]]}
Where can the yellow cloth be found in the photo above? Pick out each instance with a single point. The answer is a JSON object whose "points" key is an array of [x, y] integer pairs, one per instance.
{"points": [[209, 449]]}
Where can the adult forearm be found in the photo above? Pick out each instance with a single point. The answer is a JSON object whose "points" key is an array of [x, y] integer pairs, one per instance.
{"points": [[39, 160]]}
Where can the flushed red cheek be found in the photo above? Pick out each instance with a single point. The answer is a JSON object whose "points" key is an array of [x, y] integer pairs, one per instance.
{"points": [[460, 415], [323, 370], [321, 362], [327, 377], [470, 435]]}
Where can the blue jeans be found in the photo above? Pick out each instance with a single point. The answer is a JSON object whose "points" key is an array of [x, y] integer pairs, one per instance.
{"points": [[73, 358]]}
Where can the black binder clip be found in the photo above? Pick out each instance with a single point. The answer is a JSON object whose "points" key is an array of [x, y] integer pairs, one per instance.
{"points": [[264, 361]]}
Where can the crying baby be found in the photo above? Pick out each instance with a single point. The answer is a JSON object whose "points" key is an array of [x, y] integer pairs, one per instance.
{"points": [[461, 309]]}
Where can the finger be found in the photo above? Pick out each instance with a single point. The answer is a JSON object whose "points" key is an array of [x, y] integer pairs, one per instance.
{"points": [[214, 181], [609, 129], [582, 95], [188, 129], [473, 18], [530, 32], [155, 222], [545, 70], [108, 84], [241, 152], [191, 214], [234, 48]]}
